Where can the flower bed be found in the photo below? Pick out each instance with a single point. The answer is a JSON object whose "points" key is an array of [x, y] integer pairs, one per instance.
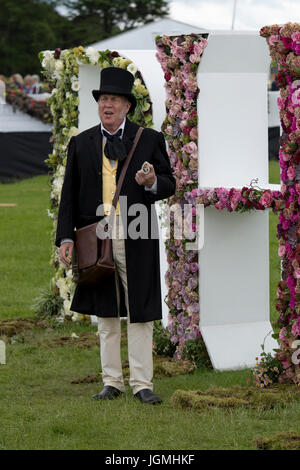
{"points": [[19, 100]]}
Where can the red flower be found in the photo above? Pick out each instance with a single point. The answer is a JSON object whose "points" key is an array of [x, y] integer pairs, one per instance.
{"points": [[57, 53]]}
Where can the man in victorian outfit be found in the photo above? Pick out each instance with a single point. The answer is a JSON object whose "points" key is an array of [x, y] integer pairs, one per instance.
{"points": [[94, 162]]}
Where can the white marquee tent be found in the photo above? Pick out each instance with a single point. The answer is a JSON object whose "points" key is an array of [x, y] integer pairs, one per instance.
{"points": [[144, 36]]}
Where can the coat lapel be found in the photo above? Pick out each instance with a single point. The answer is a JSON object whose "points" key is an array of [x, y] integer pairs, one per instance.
{"points": [[96, 147]]}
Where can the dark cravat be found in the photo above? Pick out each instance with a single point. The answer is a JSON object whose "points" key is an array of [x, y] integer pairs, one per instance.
{"points": [[114, 147]]}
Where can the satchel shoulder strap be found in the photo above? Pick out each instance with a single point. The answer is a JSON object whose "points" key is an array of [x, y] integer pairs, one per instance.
{"points": [[124, 169]]}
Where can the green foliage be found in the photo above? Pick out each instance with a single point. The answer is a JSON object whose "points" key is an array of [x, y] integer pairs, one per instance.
{"points": [[162, 345], [49, 303], [30, 26], [267, 370], [27, 27], [194, 351], [93, 20]]}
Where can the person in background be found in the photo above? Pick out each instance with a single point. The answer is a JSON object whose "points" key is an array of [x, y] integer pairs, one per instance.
{"points": [[36, 85], [27, 85], [18, 81]]}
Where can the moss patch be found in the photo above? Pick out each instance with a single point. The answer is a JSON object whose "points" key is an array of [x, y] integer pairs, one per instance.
{"points": [[170, 368], [288, 440], [17, 326], [235, 397]]}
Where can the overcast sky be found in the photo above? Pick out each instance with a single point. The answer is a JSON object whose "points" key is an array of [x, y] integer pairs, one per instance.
{"points": [[250, 14]]}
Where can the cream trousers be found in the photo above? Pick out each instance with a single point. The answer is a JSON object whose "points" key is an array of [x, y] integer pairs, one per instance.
{"points": [[139, 336]]}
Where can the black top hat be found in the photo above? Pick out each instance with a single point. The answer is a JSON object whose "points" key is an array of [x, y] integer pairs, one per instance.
{"points": [[116, 81]]}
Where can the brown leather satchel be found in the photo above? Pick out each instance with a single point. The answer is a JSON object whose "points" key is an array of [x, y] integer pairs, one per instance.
{"points": [[92, 259]]}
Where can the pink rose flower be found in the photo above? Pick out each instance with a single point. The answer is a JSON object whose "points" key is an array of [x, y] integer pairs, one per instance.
{"points": [[194, 133], [190, 84], [296, 328], [291, 173], [282, 334], [176, 286], [286, 364], [285, 156], [169, 130], [281, 251], [194, 58], [273, 39], [175, 109], [183, 124], [191, 147], [179, 52], [281, 102], [296, 36], [283, 189], [235, 198], [266, 199], [194, 267], [297, 273], [296, 97]]}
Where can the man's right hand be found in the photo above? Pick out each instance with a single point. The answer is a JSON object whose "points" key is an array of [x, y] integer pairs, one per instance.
{"points": [[65, 252]]}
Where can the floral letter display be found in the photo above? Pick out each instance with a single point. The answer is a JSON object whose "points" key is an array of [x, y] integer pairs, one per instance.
{"points": [[180, 57], [284, 45], [62, 72]]}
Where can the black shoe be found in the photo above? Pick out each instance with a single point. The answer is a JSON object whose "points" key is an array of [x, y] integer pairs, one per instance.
{"points": [[108, 393], [147, 396]]}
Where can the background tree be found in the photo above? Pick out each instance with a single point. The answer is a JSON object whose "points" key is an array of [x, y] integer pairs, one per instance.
{"points": [[29, 26], [94, 20]]}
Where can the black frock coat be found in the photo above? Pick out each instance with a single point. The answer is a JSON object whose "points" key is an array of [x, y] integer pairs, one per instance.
{"points": [[80, 197]]}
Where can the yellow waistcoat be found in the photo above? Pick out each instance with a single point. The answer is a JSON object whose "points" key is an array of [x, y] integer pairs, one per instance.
{"points": [[109, 183]]}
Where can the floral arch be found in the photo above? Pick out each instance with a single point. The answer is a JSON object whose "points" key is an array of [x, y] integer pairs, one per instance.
{"points": [[61, 69]]}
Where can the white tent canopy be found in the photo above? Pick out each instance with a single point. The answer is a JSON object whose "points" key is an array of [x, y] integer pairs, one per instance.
{"points": [[143, 37]]}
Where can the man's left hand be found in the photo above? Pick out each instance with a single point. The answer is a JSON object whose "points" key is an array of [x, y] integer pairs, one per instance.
{"points": [[146, 180]]}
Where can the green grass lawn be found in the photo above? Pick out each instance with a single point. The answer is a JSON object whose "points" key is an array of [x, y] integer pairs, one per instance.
{"points": [[41, 409], [25, 245]]}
